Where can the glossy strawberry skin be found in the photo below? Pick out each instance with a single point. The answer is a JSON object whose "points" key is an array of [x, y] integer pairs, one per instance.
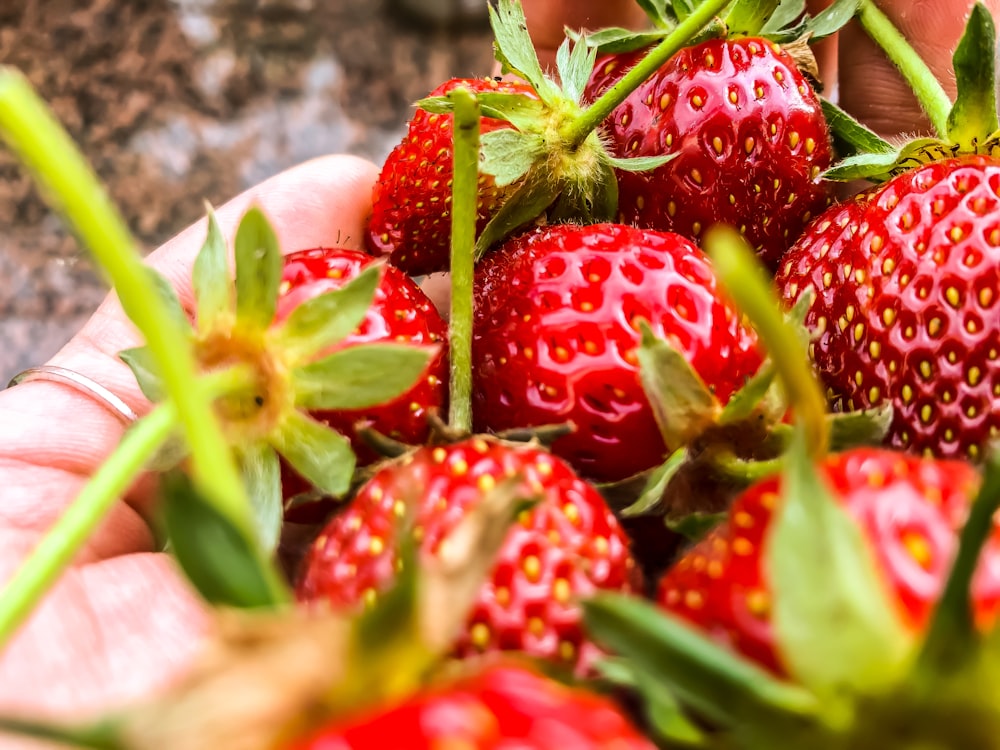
{"points": [[916, 317], [400, 312], [411, 201], [501, 708], [749, 137], [910, 510], [569, 545], [556, 331]]}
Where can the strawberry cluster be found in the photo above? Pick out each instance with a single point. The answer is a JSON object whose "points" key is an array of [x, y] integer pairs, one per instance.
{"points": [[717, 443]]}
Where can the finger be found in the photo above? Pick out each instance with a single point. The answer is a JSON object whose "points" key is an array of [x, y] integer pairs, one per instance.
{"points": [[325, 201], [872, 89], [547, 20], [825, 52], [108, 634]]}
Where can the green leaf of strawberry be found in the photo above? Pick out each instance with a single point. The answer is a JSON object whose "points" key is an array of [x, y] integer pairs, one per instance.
{"points": [[850, 136], [319, 454], [258, 269], [705, 676], [328, 318], [747, 17], [574, 63], [358, 377], [215, 557], [515, 50], [262, 476], [140, 361], [975, 111], [682, 404], [847, 638], [509, 154], [213, 291], [662, 710]]}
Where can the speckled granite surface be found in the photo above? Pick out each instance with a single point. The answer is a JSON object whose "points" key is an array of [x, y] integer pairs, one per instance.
{"points": [[178, 101]]}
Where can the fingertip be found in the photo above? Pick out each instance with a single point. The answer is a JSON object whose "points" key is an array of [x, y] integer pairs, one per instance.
{"points": [[321, 202]]}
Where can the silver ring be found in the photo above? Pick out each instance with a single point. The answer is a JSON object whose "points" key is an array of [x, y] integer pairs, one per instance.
{"points": [[81, 383]]}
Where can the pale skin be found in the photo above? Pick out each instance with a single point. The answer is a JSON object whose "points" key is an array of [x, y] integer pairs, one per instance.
{"points": [[123, 623]]}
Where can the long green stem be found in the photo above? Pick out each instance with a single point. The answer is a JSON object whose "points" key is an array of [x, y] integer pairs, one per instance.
{"points": [[67, 536], [928, 90], [58, 548], [463, 245], [31, 130], [952, 630], [745, 281], [578, 130]]}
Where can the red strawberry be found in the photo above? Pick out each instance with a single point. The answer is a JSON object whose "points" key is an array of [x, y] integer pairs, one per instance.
{"points": [[400, 312], [568, 546], [502, 708], [749, 137], [909, 305], [910, 510], [411, 202], [556, 333]]}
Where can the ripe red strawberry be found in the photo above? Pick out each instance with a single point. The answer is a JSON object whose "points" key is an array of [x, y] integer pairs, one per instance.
{"points": [[411, 202], [909, 509], [909, 305], [567, 546], [400, 312], [500, 708], [749, 137], [557, 329]]}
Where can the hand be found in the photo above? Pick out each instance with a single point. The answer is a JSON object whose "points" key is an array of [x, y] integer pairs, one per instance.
{"points": [[123, 622]]}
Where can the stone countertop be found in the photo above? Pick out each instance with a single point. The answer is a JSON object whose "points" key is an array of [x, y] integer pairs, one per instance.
{"points": [[180, 101]]}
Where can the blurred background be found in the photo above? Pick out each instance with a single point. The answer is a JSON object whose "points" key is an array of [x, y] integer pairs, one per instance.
{"points": [[180, 101]]}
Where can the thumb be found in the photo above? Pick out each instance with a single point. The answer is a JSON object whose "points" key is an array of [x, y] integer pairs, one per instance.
{"points": [[325, 201]]}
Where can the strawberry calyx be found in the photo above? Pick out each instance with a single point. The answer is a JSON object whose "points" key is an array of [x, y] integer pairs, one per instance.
{"points": [[553, 162], [967, 126], [287, 370], [729, 445], [783, 22]]}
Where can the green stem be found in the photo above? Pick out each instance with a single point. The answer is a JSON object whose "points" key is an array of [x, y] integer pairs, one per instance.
{"points": [[746, 282], [465, 190], [745, 472], [578, 129], [928, 90], [34, 134], [67, 536], [58, 548], [952, 629]]}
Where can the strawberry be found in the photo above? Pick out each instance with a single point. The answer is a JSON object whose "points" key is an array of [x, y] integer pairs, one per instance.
{"points": [[410, 220], [400, 312], [285, 375], [568, 545], [909, 510], [916, 319], [557, 331], [746, 133], [909, 308], [541, 156], [500, 707]]}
